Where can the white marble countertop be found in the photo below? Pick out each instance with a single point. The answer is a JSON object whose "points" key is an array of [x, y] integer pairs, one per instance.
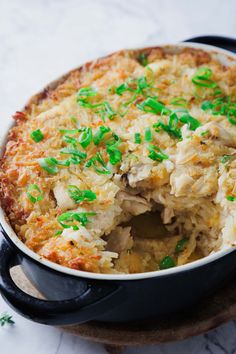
{"points": [[34, 37]]}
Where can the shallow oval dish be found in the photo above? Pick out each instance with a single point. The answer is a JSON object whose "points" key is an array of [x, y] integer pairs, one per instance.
{"points": [[78, 296]]}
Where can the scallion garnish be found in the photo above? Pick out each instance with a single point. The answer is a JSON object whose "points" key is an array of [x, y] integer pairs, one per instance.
{"points": [[148, 135], [85, 92], [6, 319], [70, 140], [97, 161], [179, 101], [79, 195], [58, 232], [71, 216], [203, 78], [85, 137], [137, 138], [225, 159], [34, 193], [151, 105], [49, 164], [156, 154], [230, 198], [37, 135], [108, 110], [193, 123], [70, 131], [171, 128], [114, 154], [98, 137], [181, 245], [143, 59], [167, 262], [75, 152]]}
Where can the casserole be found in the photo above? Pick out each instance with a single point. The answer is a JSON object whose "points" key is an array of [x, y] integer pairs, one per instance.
{"points": [[113, 297]]}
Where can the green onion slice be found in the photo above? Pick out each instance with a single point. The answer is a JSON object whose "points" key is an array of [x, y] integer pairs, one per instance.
{"points": [[179, 101], [181, 245], [156, 154], [203, 78], [70, 131], [79, 195], [75, 152], [86, 137], [148, 135], [171, 128], [71, 216], [114, 154], [151, 105], [97, 161], [193, 123], [225, 159], [143, 59], [98, 137], [49, 164], [137, 138], [167, 262], [230, 198], [34, 188], [37, 135]]}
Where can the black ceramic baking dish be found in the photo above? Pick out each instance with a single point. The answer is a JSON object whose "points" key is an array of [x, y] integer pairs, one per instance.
{"points": [[76, 296]]}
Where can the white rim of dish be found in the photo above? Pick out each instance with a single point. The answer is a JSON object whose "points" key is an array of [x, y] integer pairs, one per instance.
{"points": [[226, 56]]}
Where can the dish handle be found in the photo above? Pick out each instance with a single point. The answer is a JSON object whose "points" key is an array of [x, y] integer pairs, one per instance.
{"points": [[97, 299]]}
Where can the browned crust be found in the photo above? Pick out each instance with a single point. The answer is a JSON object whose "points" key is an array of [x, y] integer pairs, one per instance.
{"points": [[52, 90]]}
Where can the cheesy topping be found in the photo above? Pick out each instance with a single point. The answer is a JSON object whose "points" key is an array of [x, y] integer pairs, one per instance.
{"points": [[137, 133]]}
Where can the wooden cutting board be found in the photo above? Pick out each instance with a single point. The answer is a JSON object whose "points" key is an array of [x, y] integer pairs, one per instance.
{"points": [[209, 314]]}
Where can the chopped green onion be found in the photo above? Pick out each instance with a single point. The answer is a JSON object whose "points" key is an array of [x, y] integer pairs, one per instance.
{"points": [[181, 245], [179, 101], [71, 216], [98, 137], [37, 135], [137, 138], [230, 198], [75, 152], [206, 105], [6, 319], [86, 137], [49, 164], [69, 131], [156, 156], [114, 154], [98, 160], [119, 90], [85, 92], [167, 262], [35, 189], [79, 195], [108, 110], [58, 232], [203, 78], [225, 159], [70, 140], [153, 106], [205, 132], [193, 123], [170, 128], [148, 135], [143, 59]]}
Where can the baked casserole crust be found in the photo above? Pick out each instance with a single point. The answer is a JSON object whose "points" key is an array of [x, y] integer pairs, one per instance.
{"points": [[139, 135]]}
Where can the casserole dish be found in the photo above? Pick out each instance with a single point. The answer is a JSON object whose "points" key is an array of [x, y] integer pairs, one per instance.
{"points": [[77, 296]]}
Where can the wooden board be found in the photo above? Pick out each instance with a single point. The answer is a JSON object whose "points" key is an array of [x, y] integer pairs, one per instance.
{"points": [[209, 314]]}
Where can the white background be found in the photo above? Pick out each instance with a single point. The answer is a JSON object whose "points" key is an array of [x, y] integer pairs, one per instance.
{"points": [[42, 39]]}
